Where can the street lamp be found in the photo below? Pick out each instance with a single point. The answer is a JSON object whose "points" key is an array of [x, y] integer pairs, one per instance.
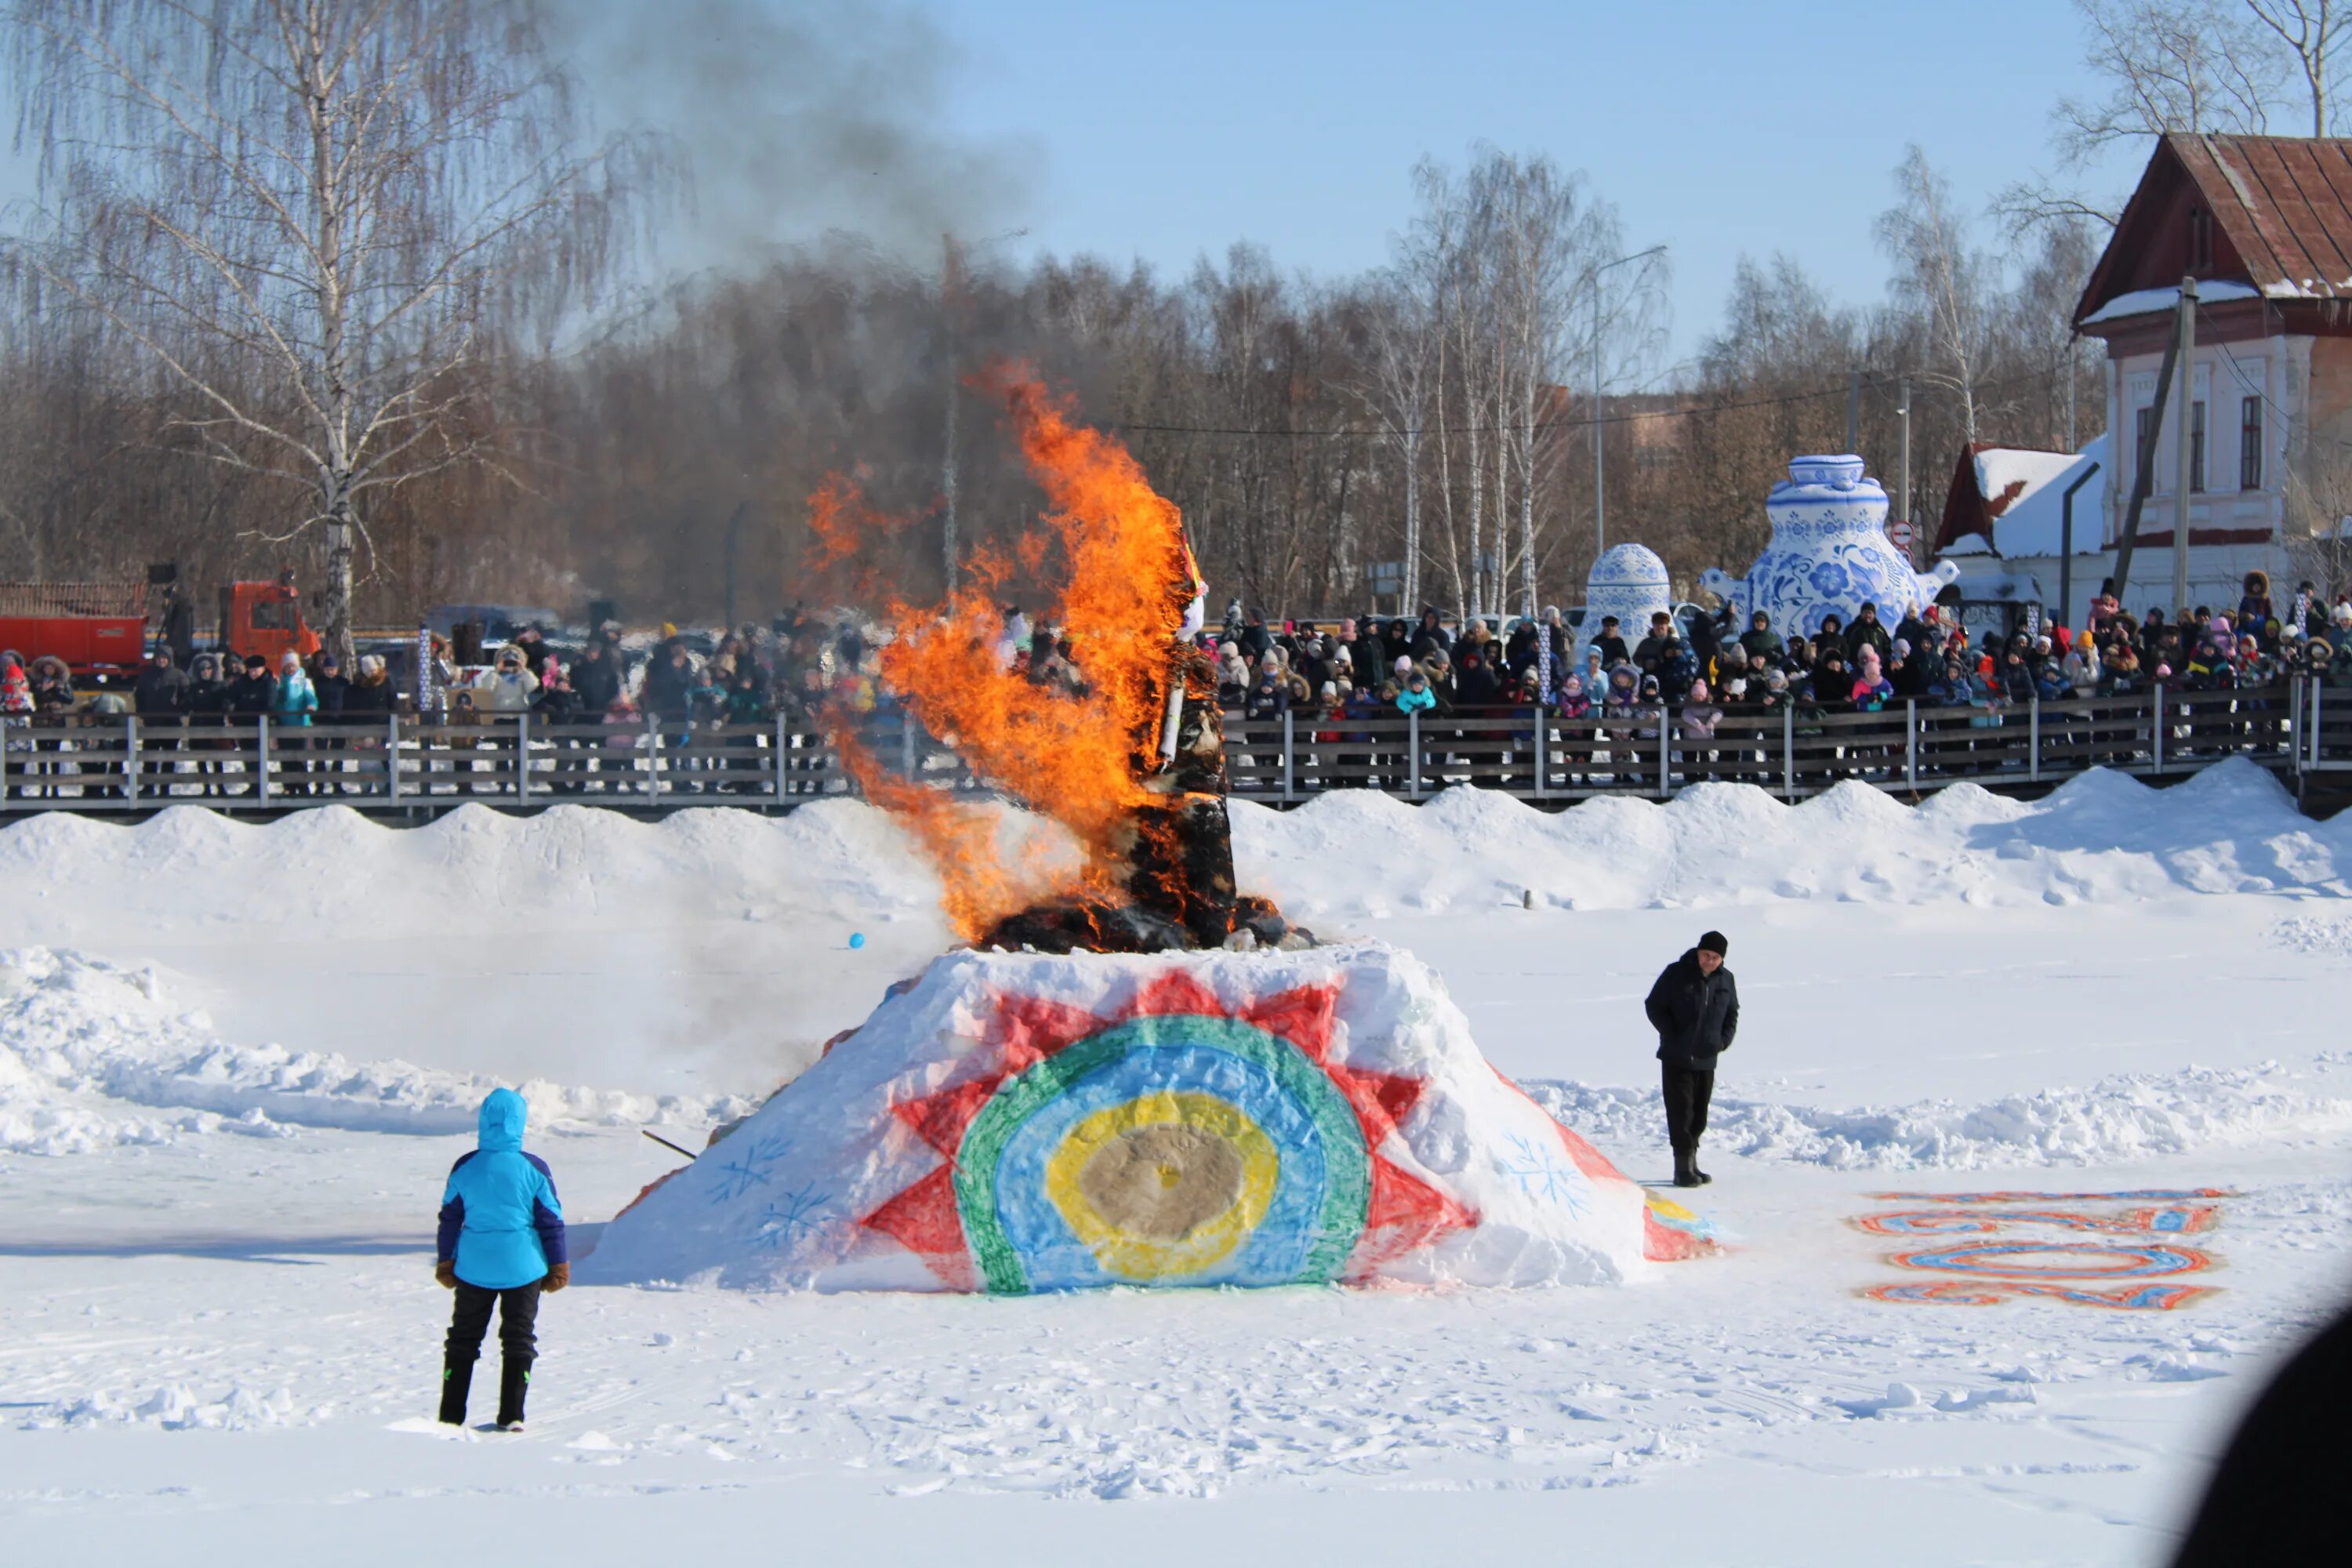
{"points": [[1600, 508]]}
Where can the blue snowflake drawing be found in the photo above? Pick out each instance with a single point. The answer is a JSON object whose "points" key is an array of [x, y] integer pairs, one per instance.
{"points": [[753, 1166], [787, 1221], [1542, 1175]]}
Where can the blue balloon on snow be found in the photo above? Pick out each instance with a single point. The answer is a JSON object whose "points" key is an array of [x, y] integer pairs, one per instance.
{"points": [[856, 939]]}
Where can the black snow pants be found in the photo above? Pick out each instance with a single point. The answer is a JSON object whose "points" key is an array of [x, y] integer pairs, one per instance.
{"points": [[518, 1315], [1687, 1092]]}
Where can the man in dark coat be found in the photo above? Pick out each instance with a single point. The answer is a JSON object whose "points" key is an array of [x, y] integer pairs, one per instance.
{"points": [[1612, 645], [162, 689], [1694, 1007], [596, 677], [1867, 631]]}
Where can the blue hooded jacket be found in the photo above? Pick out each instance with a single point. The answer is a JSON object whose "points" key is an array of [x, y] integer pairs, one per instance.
{"points": [[501, 1218]]}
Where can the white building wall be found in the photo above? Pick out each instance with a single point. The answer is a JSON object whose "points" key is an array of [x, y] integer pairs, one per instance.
{"points": [[2276, 370]]}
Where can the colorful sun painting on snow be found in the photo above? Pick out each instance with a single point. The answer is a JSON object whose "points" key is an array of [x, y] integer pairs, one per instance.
{"points": [[2011, 1245], [1175, 1141]]}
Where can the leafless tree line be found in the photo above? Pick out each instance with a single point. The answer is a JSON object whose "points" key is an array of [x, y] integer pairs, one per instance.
{"points": [[329, 284]]}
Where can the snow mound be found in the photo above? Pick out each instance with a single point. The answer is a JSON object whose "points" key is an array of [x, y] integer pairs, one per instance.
{"points": [[82, 1040], [2129, 1116], [568, 868], [1019, 1123], [2102, 838]]}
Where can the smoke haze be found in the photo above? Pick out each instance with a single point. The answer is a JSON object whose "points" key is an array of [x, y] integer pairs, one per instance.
{"points": [[798, 118]]}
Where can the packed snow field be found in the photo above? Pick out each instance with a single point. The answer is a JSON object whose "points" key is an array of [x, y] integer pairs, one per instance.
{"points": [[236, 1059]]}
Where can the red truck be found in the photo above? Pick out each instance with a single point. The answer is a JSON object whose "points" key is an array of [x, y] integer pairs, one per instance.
{"points": [[102, 628]]}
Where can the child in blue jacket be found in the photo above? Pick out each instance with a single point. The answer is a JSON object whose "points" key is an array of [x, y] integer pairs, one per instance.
{"points": [[502, 1243]]}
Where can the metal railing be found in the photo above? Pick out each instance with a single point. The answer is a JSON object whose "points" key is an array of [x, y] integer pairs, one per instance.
{"points": [[426, 766]]}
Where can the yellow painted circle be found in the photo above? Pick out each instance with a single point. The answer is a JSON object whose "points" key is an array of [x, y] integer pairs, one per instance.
{"points": [[1165, 1184]]}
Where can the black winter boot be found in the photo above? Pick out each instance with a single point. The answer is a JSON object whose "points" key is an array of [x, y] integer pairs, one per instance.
{"points": [[457, 1381], [514, 1387], [1686, 1170]]}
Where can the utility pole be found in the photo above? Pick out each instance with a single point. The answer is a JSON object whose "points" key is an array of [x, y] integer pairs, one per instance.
{"points": [[2073, 346], [2185, 418], [1600, 488], [1600, 492], [1853, 412], [1902, 412]]}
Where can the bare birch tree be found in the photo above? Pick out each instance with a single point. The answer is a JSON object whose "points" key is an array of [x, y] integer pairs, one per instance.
{"points": [[312, 213], [1396, 390], [1938, 274], [2309, 31], [2168, 65]]}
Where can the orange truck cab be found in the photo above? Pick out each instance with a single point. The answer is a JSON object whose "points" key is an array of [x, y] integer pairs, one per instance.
{"points": [[265, 619]]}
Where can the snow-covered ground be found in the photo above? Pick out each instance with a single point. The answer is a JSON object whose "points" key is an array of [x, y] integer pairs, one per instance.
{"points": [[235, 1060]]}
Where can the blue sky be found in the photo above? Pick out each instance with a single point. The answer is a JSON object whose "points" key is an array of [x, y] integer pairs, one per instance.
{"points": [[1718, 128]]}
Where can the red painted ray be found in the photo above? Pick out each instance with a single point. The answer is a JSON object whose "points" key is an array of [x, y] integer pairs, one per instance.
{"points": [[942, 1120], [1304, 1017], [1382, 1099], [1404, 1212], [923, 1219], [1170, 994], [1301, 1015], [1027, 1029]]}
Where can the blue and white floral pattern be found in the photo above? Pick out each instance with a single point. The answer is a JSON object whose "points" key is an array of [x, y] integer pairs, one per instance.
{"points": [[1829, 554], [1629, 581]]}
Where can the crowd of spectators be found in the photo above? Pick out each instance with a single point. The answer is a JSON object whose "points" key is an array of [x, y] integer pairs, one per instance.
{"points": [[1710, 666], [326, 721], [711, 699]]}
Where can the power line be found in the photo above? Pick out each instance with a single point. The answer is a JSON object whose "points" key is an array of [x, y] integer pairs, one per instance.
{"points": [[1539, 427]]}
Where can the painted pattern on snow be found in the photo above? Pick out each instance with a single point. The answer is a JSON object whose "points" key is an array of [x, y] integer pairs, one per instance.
{"points": [[2117, 1270]]}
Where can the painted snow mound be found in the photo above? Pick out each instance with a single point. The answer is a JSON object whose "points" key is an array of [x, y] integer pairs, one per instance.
{"points": [[1019, 1123]]}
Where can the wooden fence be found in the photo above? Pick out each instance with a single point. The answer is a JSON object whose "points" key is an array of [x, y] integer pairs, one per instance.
{"points": [[421, 768]]}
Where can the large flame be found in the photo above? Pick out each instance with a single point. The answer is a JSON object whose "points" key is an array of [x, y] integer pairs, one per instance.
{"points": [[1109, 554]]}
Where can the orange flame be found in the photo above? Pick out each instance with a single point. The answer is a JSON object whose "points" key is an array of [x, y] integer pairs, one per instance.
{"points": [[1116, 550]]}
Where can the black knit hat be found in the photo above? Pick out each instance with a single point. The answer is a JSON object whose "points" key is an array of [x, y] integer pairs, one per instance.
{"points": [[1713, 943]]}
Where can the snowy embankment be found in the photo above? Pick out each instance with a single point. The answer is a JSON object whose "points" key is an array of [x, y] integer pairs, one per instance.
{"points": [[96, 1050], [84, 1042]]}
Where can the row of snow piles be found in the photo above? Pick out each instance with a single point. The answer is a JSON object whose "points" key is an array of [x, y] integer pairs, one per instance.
{"points": [[2104, 835]]}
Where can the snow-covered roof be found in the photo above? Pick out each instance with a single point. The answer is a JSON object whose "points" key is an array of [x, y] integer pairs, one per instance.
{"points": [[2024, 494], [2147, 302]]}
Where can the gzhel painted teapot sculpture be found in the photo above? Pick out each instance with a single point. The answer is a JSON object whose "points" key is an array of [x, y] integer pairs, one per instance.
{"points": [[1828, 554]]}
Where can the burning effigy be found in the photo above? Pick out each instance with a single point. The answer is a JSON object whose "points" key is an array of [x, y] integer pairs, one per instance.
{"points": [[1132, 766], [1132, 1074]]}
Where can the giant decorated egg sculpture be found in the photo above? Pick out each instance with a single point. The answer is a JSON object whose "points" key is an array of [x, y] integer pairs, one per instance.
{"points": [[1829, 554], [1629, 581]]}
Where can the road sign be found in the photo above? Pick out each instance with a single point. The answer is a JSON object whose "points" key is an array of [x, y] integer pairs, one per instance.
{"points": [[1901, 534]]}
